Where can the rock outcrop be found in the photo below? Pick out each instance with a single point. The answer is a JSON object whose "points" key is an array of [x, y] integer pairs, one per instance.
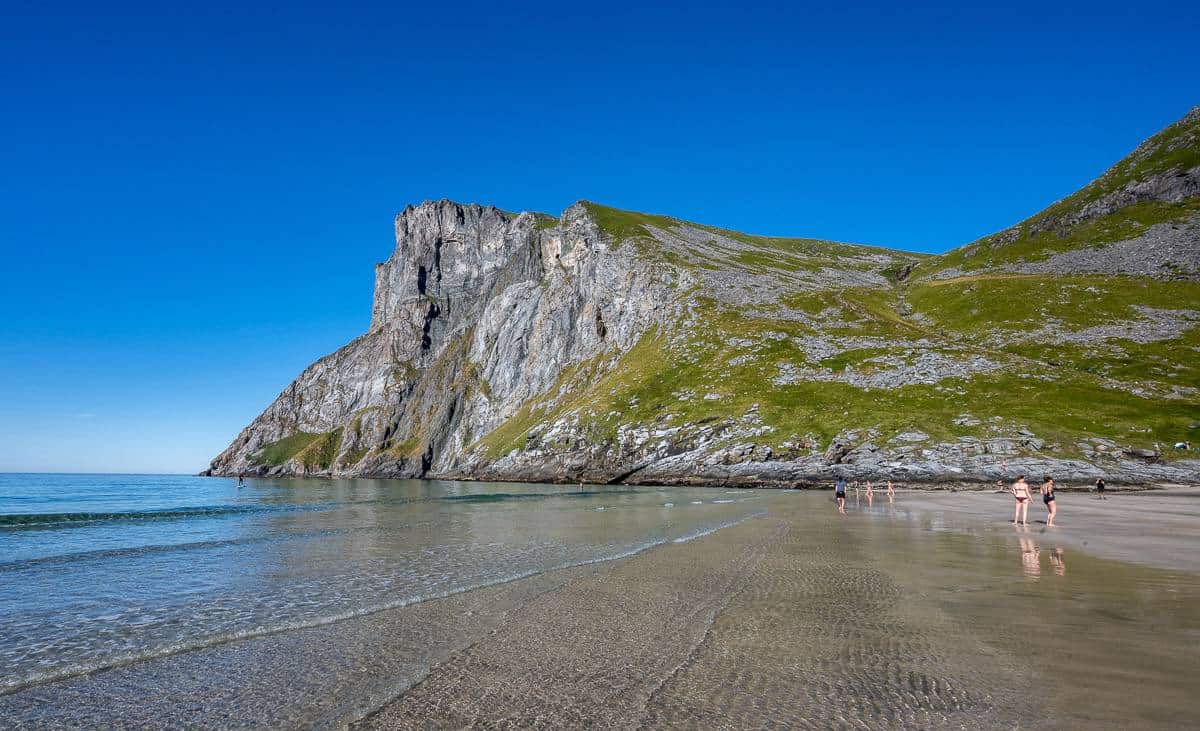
{"points": [[476, 312]]}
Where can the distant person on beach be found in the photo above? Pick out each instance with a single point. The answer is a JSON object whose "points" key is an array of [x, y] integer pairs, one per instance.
{"points": [[1020, 492], [870, 494], [839, 494], [1048, 498], [891, 491], [1100, 488]]}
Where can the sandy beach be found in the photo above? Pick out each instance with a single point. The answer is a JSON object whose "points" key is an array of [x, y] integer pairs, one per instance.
{"points": [[932, 612]]}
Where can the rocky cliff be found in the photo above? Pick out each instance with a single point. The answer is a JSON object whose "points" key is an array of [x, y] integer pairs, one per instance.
{"points": [[607, 345], [476, 312]]}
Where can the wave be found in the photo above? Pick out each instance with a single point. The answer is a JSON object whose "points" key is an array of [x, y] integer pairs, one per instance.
{"points": [[33, 520], [160, 548], [36, 520]]}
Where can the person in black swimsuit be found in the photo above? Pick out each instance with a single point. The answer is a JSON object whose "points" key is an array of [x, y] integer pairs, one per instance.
{"points": [[839, 494], [1048, 499], [1100, 488]]}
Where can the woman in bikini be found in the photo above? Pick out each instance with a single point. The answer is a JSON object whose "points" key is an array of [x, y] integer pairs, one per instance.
{"points": [[870, 494], [1020, 491], [1048, 498], [891, 491]]}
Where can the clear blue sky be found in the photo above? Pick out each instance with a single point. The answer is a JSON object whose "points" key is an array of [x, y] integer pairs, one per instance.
{"points": [[192, 197]]}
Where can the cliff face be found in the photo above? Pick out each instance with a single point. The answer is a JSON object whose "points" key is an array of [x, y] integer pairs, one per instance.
{"points": [[608, 345], [475, 312]]}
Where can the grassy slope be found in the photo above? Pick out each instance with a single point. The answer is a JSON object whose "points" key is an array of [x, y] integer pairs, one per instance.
{"points": [[782, 254], [1061, 391], [646, 385], [315, 451], [1175, 149]]}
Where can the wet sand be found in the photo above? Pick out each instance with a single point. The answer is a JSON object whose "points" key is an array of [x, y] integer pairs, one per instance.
{"points": [[1153, 527], [932, 612]]}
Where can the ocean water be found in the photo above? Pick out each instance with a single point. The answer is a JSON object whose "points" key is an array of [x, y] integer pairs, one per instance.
{"points": [[102, 570]]}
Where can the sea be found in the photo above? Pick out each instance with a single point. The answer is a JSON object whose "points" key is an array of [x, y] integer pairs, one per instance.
{"points": [[98, 571]]}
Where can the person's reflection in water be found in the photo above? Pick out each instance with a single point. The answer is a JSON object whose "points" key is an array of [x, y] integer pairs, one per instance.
{"points": [[1057, 563], [1031, 562]]}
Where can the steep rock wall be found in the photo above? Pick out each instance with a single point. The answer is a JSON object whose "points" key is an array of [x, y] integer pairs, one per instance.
{"points": [[475, 312]]}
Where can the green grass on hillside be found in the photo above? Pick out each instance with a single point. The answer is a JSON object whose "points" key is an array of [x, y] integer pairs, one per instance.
{"points": [[544, 221], [978, 304], [314, 451], [1060, 401], [281, 451], [816, 252], [1127, 223], [320, 453], [772, 252], [626, 225]]}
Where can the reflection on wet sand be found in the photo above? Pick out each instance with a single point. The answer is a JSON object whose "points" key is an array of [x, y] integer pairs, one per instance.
{"points": [[1031, 552], [1056, 561], [1030, 559]]}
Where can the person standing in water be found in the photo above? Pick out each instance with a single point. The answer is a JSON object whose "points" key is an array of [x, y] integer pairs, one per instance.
{"points": [[241, 480], [891, 491], [1048, 498], [1020, 492], [839, 494], [1100, 488], [870, 494]]}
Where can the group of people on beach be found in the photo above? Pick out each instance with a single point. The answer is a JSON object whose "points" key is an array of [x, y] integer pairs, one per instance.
{"points": [[839, 493], [1019, 489], [1021, 493]]}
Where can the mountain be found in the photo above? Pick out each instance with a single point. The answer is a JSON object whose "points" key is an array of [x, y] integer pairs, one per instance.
{"points": [[608, 345]]}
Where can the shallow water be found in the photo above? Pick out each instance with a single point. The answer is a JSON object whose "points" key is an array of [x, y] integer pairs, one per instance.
{"points": [[97, 570], [729, 607]]}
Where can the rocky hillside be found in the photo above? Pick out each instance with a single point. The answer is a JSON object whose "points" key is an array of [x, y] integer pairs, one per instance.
{"points": [[606, 345]]}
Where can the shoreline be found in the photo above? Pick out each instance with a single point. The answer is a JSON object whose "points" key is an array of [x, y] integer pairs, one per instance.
{"points": [[741, 626], [749, 483]]}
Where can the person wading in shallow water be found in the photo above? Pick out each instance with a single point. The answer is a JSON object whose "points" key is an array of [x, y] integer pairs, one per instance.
{"points": [[1020, 492], [891, 491], [1100, 489], [1048, 498], [839, 494], [870, 494]]}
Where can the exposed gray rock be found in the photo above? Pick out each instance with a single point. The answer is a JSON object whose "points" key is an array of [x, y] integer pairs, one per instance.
{"points": [[894, 372], [475, 312], [1164, 250], [1154, 325]]}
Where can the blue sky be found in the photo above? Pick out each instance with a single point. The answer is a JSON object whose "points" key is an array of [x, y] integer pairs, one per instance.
{"points": [[192, 196]]}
